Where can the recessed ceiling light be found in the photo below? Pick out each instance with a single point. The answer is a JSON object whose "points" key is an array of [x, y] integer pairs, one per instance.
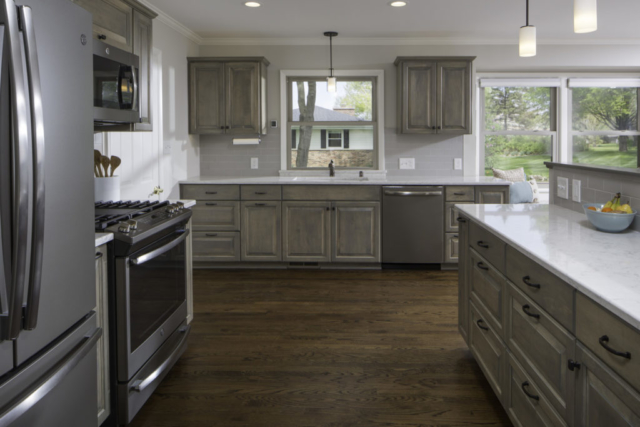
{"points": [[398, 3], [252, 4]]}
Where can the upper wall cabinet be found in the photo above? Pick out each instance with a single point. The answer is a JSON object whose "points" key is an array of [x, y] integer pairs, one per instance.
{"points": [[127, 25], [434, 95], [228, 95]]}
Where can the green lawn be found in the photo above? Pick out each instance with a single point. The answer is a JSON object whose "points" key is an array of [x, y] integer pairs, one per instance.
{"points": [[533, 165]]}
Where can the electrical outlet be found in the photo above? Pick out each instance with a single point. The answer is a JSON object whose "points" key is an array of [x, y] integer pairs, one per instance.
{"points": [[457, 164], [563, 188], [408, 163], [254, 163], [576, 192]]}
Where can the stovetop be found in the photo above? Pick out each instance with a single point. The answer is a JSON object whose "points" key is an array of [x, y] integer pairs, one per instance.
{"points": [[111, 213]]}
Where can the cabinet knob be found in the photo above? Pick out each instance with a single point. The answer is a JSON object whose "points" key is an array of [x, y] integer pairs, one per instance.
{"points": [[572, 364], [222, 127], [433, 127], [102, 37]]}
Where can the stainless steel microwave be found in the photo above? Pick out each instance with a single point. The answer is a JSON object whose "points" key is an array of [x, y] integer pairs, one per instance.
{"points": [[115, 86]]}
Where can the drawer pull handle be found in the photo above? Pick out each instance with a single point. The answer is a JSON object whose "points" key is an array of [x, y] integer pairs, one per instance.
{"points": [[526, 308], [459, 194], [99, 255], [211, 192], [603, 342], [524, 388], [211, 204], [527, 281], [211, 235], [261, 204], [484, 328], [572, 364], [481, 266], [483, 244], [260, 193], [460, 219]]}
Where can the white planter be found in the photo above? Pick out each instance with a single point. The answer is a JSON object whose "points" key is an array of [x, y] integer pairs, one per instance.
{"points": [[107, 189]]}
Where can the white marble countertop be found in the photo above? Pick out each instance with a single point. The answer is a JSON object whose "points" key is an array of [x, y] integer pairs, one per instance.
{"points": [[603, 266], [342, 180], [102, 238]]}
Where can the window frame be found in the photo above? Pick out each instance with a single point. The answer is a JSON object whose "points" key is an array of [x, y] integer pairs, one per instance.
{"points": [[377, 122], [553, 132]]}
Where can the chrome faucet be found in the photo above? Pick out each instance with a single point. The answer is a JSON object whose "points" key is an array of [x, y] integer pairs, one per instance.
{"points": [[332, 169]]}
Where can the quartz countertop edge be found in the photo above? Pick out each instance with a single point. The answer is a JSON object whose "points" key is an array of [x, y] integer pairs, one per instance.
{"points": [[340, 180], [187, 203], [602, 266], [102, 238]]}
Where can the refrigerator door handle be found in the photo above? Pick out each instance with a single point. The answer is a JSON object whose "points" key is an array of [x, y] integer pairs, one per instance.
{"points": [[49, 381], [4, 292], [38, 150], [20, 126]]}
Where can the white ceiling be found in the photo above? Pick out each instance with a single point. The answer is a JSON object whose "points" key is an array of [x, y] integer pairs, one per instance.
{"points": [[486, 20]]}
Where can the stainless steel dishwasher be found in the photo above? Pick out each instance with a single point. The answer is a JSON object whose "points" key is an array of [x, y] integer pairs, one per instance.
{"points": [[412, 225]]}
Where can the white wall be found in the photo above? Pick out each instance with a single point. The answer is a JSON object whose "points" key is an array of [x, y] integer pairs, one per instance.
{"points": [[169, 149], [434, 154]]}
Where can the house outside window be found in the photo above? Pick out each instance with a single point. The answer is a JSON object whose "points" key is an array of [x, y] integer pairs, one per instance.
{"points": [[340, 126], [604, 122]]}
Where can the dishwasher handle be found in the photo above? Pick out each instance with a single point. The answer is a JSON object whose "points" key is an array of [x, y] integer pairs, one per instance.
{"points": [[412, 193]]}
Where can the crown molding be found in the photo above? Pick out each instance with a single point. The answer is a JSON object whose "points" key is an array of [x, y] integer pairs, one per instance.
{"points": [[174, 24]]}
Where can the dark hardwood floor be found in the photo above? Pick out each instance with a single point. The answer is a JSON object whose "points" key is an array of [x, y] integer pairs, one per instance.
{"points": [[298, 348]]}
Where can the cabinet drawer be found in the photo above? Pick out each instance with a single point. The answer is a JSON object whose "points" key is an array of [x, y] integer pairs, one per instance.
{"points": [[451, 215], [216, 216], [526, 404], [487, 245], [553, 294], [488, 290], [261, 192], [488, 350], [542, 344], [210, 192], [451, 248], [460, 194], [331, 192], [216, 246], [597, 328]]}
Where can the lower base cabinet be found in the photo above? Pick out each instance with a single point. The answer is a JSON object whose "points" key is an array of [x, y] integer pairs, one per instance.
{"points": [[261, 231], [356, 232], [102, 321], [306, 231], [216, 246]]}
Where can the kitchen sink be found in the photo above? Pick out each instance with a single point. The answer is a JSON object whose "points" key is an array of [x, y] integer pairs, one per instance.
{"points": [[329, 179]]}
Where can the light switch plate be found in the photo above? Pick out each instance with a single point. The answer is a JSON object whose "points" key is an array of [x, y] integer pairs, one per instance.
{"points": [[576, 192], [457, 164], [254, 163], [563, 188], [408, 163]]}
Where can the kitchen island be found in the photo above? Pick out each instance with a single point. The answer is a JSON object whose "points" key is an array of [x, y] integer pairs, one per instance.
{"points": [[549, 308]]}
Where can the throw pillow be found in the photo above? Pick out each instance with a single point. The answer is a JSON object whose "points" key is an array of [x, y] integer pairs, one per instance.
{"points": [[536, 191], [513, 175], [520, 192]]}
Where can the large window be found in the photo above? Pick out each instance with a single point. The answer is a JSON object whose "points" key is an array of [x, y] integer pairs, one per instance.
{"points": [[339, 126], [519, 129], [604, 126]]}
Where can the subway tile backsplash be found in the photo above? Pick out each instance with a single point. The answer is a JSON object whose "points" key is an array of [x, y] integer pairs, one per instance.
{"points": [[597, 187]]}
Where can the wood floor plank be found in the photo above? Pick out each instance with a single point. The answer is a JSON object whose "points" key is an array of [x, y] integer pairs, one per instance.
{"points": [[298, 348]]}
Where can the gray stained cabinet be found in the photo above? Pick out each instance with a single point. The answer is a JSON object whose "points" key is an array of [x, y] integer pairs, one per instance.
{"points": [[261, 231], [216, 246], [356, 232], [112, 21], [228, 96], [488, 195], [102, 319], [142, 47], [463, 288], [306, 231], [434, 95]]}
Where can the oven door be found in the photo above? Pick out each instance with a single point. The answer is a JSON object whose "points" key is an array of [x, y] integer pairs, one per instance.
{"points": [[151, 301]]}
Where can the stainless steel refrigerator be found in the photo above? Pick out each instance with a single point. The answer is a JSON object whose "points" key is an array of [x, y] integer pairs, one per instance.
{"points": [[48, 374]]}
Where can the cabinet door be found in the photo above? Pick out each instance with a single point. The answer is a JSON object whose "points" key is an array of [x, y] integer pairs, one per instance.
{"points": [[492, 195], [112, 21], [206, 98], [454, 97], [451, 216], [603, 398], [356, 232], [102, 321], [306, 231], [418, 89], [451, 248], [142, 45], [261, 231], [463, 271], [243, 97]]}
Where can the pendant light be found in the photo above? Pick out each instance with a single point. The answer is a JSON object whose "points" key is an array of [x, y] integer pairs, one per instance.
{"points": [[527, 38], [331, 80], [585, 16]]}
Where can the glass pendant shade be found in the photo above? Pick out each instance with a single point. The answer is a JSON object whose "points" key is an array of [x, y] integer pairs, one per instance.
{"points": [[585, 16], [331, 84], [528, 41]]}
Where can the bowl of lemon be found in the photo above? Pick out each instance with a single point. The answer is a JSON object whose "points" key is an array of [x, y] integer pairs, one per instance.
{"points": [[611, 217]]}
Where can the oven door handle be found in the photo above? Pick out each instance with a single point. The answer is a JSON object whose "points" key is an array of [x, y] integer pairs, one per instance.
{"points": [[140, 385], [161, 250]]}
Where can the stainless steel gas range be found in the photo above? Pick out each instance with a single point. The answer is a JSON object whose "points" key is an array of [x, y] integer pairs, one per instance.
{"points": [[148, 297]]}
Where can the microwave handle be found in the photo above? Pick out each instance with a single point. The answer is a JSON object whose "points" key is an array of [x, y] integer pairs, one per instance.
{"points": [[134, 78], [119, 86]]}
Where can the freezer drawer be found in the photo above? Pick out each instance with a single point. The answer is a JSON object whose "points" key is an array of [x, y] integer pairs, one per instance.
{"points": [[59, 387]]}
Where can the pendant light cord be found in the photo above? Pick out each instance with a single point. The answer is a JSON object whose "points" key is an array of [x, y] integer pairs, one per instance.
{"points": [[331, 53], [527, 13]]}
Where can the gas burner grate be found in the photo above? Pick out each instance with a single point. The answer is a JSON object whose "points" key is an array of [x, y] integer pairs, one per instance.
{"points": [[110, 212]]}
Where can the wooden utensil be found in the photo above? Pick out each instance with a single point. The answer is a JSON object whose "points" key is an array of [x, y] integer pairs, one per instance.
{"points": [[97, 156], [105, 161], [115, 162]]}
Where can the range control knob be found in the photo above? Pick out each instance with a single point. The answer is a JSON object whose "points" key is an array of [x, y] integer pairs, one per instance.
{"points": [[133, 224], [124, 228], [180, 205]]}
